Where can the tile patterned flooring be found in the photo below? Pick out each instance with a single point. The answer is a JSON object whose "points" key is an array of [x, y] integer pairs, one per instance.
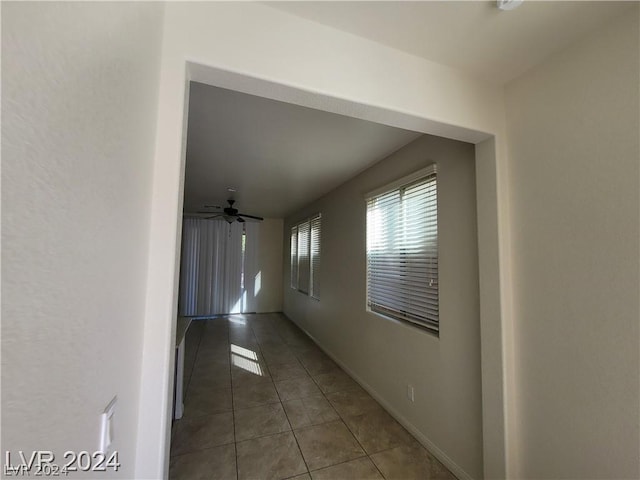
{"points": [[264, 402]]}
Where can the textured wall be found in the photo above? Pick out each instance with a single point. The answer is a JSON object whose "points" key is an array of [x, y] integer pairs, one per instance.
{"points": [[574, 149], [387, 355], [79, 101], [256, 49]]}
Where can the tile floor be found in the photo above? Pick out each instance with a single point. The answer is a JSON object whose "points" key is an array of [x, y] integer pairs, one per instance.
{"points": [[264, 402]]}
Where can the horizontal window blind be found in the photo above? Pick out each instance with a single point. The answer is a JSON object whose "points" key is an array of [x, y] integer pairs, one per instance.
{"points": [[303, 257], [315, 257], [402, 251], [294, 257]]}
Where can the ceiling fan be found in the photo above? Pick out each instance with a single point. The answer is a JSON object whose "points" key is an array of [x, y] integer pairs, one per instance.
{"points": [[230, 214]]}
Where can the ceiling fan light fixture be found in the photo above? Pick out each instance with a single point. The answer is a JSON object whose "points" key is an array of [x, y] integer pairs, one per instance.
{"points": [[508, 4], [228, 214]]}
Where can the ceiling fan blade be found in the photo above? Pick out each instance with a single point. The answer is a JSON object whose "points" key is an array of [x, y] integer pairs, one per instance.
{"points": [[250, 216], [241, 220]]}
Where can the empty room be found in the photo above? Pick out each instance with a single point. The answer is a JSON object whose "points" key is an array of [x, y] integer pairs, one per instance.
{"points": [[321, 240]]}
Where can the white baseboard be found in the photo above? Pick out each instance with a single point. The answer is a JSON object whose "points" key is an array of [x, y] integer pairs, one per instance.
{"points": [[456, 469]]}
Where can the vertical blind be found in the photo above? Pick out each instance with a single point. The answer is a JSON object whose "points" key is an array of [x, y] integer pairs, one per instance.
{"points": [[211, 267], [402, 251], [315, 257]]}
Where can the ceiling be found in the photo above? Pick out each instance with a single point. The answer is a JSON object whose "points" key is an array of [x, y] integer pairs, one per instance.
{"points": [[279, 157], [473, 36]]}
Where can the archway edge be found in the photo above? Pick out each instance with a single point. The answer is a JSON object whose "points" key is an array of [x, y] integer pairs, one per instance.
{"points": [[494, 374], [308, 98], [192, 50]]}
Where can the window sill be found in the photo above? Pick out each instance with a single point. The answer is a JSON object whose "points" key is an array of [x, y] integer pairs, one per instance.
{"points": [[302, 292]]}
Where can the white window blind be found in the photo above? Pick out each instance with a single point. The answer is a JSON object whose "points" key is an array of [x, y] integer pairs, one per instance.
{"points": [[294, 257], [303, 257], [402, 250], [315, 256]]}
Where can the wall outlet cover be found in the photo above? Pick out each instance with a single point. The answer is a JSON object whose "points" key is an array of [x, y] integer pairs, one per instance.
{"points": [[410, 393]]}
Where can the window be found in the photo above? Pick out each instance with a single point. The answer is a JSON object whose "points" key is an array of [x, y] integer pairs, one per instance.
{"points": [[315, 257], [402, 250], [294, 257], [305, 256]]}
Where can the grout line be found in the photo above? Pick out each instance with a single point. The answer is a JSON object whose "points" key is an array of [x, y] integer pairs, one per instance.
{"points": [[291, 431], [340, 463], [275, 328], [289, 421], [233, 413], [376, 465], [342, 419], [291, 426], [195, 359], [200, 449]]}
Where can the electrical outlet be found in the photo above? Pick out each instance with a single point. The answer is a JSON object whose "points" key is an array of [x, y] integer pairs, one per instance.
{"points": [[410, 394], [106, 426]]}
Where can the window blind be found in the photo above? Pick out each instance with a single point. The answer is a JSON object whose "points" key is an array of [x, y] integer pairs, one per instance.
{"points": [[303, 257], [211, 267], [315, 257], [294, 257], [402, 251]]}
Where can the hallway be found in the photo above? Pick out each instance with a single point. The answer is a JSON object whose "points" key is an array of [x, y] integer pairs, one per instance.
{"points": [[263, 401]]}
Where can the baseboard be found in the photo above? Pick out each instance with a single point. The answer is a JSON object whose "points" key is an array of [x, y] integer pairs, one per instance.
{"points": [[456, 469]]}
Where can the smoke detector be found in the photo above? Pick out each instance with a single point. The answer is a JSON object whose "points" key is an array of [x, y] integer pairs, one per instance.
{"points": [[508, 4]]}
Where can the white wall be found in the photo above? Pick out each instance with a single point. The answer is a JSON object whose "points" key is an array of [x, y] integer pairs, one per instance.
{"points": [[256, 49], [387, 355], [269, 266], [574, 170], [79, 102]]}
